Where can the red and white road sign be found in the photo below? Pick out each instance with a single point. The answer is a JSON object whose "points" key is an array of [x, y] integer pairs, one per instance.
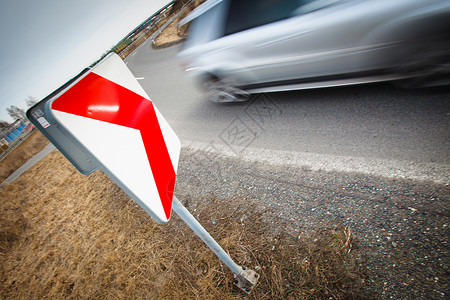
{"points": [[111, 115]]}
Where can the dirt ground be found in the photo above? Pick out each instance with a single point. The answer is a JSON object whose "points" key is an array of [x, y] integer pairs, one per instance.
{"points": [[170, 35], [68, 236], [32, 145], [173, 34]]}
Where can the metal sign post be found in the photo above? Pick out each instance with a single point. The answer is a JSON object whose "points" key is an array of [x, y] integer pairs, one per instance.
{"points": [[85, 119], [245, 279]]}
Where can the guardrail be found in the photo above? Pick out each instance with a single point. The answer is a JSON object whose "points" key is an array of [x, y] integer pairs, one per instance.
{"points": [[142, 32], [158, 32]]}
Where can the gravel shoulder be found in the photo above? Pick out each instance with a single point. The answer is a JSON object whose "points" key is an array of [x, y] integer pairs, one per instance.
{"points": [[401, 225]]}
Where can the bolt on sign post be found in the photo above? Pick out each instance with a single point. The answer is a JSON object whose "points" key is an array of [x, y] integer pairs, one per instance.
{"points": [[103, 118]]}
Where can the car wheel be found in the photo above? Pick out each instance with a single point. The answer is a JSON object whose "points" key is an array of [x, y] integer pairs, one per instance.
{"points": [[221, 90]]}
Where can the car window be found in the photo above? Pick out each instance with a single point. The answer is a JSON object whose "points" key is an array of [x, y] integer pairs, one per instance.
{"points": [[243, 15], [314, 5], [207, 26]]}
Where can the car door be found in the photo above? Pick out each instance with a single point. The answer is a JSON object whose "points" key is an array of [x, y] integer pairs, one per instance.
{"points": [[321, 39]]}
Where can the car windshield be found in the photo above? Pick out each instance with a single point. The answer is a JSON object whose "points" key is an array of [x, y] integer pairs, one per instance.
{"points": [[243, 15]]}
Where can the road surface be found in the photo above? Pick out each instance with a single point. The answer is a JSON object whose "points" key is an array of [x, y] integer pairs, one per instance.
{"points": [[376, 129]]}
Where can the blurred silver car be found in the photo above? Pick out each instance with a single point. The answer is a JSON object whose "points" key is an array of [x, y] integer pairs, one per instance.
{"points": [[237, 47]]}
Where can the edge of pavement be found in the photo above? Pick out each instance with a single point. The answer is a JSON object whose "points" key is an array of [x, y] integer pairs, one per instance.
{"points": [[437, 173]]}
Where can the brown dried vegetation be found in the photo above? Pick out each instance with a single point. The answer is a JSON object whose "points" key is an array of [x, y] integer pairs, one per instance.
{"points": [[68, 236]]}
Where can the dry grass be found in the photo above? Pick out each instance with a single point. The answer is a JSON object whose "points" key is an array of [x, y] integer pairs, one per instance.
{"points": [[68, 236], [31, 146]]}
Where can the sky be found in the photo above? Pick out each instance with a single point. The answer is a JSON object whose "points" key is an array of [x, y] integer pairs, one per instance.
{"points": [[47, 42]]}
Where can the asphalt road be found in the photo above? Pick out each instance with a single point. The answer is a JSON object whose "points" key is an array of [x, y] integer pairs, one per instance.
{"points": [[375, 129]]}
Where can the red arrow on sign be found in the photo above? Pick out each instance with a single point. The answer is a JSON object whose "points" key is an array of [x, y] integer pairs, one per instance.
{"points": [[97, 98]]}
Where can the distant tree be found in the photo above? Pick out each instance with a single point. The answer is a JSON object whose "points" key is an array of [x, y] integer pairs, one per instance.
{"points": [[31, 101], [16, 113], [4, 125]]}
